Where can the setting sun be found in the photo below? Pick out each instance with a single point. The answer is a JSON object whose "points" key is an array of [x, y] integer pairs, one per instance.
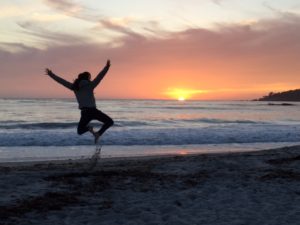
{"points": [[182, 94], [217, 46]]}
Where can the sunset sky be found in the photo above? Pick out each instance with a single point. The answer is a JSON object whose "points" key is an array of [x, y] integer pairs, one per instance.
{"points": [[159, 49]]}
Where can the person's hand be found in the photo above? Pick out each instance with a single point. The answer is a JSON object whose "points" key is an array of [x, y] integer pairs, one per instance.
{"points": [[48, 72], [108, 63]]}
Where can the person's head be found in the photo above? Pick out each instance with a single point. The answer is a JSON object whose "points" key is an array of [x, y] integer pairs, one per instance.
{"points": [[84, 76], [81, 76]]}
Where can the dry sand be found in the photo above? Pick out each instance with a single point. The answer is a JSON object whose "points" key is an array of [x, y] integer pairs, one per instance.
{"points": [[231, 189]]}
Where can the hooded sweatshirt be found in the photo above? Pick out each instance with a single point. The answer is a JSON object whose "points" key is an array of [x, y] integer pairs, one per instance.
{"points": [[85, 95]]}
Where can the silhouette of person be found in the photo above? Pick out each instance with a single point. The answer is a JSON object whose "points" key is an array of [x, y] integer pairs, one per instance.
{"points": [[83, 87]]}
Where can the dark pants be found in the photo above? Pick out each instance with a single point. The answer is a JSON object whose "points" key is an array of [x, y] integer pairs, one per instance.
{"points": [[88, 114]]}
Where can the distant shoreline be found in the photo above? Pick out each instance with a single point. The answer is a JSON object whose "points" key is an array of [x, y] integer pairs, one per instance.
{"points": [[286, 96]]}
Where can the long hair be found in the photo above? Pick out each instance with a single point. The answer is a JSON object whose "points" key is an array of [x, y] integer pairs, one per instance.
{"points": [[81, 76]]}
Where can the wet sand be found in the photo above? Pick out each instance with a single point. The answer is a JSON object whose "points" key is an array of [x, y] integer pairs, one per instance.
{"points": [[234, 188]]}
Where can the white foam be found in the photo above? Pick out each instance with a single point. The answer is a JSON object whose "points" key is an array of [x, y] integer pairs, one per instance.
{"points": [[242, 133]]}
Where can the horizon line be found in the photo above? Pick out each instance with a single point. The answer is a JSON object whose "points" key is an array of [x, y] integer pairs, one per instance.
{"points": [[118, 99]]}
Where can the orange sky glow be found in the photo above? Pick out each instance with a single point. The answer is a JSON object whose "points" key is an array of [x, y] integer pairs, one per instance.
{"points": [[241, 59]]}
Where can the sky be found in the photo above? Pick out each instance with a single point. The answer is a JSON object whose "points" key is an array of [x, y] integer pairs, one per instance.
{"points": [[159, 49]]}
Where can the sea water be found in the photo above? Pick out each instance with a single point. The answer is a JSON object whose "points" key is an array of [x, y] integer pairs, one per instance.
{"points": [[35, 129]]}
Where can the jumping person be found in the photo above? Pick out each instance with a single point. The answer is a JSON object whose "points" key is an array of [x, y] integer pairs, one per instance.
{"points": [[83, 88]]}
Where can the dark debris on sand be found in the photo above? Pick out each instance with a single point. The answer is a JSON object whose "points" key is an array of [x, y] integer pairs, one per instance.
{"points": [[73, 186], [49, 201], [284, 160], [288, 175], [142, 179]]}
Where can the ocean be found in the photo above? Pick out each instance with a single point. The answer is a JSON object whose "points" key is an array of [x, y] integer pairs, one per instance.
{"points": [[39, 129]]}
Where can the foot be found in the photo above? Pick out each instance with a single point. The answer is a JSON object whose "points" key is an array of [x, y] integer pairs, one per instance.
{"points": [[91, 129], [97, 136]]}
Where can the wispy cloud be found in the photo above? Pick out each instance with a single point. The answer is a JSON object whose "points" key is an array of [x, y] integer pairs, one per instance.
{"points": [[72, 9], [14, 48], [128, 25], [103, 23], [268, 6], [66, 6], [278, 11], [118, 27], [38, 31], [218, 2]]}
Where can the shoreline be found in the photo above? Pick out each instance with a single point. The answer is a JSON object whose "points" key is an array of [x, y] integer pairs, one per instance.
{"points": [[260, 187], [58, 153], [86, 160]]}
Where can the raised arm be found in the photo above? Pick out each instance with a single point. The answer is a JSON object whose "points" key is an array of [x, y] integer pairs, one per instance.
{"points": [[59, 80], [100, 75]]}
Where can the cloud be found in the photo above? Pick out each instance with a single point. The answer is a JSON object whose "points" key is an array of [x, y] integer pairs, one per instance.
{"points": [[76, 10], [109, 26], [14, 48], [130, 26], [119, 28], [65, 6], [231, 57], [39, 31], [218, 2]]}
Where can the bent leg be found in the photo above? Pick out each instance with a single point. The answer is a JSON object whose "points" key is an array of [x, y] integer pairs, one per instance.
{"points": [[105, 119], [83, 123]]}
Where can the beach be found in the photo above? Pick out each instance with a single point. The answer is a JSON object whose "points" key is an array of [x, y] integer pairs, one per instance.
{"points": [[260, 187], [193, 105]]}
